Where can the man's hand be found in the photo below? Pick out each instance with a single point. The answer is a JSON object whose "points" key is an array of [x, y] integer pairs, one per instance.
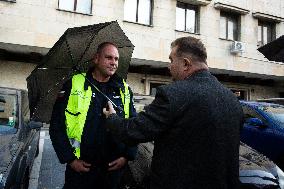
{"points": [[80, 166], [117, 164], [110, 110]]}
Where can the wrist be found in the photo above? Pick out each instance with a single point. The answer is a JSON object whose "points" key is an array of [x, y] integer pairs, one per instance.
{"points": [[71, 161]]}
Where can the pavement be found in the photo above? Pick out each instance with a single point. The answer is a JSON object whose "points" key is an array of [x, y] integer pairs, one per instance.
{"points": [[47, 172]]}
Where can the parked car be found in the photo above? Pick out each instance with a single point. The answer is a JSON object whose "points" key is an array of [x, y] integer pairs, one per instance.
{"points": [[256, 170], [272, 100], [19, 139], [263, 129]]}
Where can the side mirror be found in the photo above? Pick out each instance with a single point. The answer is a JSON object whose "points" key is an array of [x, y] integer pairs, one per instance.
{"points": [[35, 124], [255, 122]]}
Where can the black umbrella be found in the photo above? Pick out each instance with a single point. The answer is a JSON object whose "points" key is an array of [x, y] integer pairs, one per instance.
{"points": [[274, 51], [72, 53]]}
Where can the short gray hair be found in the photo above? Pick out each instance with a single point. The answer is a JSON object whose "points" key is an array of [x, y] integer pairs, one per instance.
{"points": [[103, 45], [190, 46]]}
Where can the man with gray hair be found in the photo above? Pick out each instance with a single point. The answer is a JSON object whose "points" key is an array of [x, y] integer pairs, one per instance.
{"points": [[194, 122]]}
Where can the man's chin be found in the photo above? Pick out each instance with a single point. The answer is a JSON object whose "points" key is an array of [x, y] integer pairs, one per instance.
{"points": [[110, 74]]}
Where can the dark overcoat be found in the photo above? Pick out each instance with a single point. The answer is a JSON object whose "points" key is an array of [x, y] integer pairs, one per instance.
{"points": [[195, 125]]}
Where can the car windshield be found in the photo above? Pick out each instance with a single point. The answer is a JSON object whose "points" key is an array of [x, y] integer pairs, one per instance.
{"points": [[275, 111], [8, 112]]}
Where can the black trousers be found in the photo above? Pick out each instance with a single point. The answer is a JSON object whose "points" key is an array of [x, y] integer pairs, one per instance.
{"points": [[96, 178]]}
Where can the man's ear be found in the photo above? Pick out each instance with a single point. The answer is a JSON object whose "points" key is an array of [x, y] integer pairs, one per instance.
{"points": [[187, 63], [95, 59]]}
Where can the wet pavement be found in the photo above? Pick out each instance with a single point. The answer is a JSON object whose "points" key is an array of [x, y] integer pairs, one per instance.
{"points": [[47, 172]]}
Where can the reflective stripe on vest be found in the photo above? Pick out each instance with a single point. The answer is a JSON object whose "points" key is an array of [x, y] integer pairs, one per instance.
{"points": [[125, 98], [78, 106]]}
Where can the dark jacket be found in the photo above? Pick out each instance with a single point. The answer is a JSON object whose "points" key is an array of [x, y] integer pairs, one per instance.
{"points": [[195, 126], [98, 146]]}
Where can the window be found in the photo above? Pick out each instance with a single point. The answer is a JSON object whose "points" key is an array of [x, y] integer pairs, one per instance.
{"points": [[251, 113], [80, 6], [240, 94], [8, 111], [186, 17], [266, 33], [12, 1], [138, 11], [229, 26]]}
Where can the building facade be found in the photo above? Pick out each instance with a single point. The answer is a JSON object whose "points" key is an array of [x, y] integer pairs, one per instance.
{"points": [[231, 31]]}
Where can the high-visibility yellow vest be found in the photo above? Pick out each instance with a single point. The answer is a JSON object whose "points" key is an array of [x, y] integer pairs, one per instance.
{"points": [[78, 106]]}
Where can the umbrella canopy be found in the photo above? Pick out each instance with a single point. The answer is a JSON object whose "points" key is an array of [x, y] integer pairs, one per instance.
{"points": [[72, 52], [274, 51]]}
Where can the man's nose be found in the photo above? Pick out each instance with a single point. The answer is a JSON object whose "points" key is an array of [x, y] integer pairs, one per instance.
{"points": [[113, 61]]}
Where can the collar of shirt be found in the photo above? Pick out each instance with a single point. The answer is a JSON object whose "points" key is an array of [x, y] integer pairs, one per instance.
{"points": [[114, 82]]}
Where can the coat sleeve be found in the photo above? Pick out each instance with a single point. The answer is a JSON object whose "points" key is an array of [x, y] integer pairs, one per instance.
{"points": [[57, 128], [131, 151], [146, 125]]}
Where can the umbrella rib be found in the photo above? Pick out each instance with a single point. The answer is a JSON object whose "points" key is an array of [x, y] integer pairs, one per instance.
{"points": [[68, 47], [87, 48]]}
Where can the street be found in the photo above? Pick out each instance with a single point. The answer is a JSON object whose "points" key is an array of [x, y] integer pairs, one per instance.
{"points": [[47, 172]]}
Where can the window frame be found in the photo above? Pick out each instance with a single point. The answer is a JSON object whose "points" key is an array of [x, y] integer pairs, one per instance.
{"points": [[75, 6], [11, 1], [253, 113], [137, 16], [271, 26], [186, 7], [15, 101], [234, 17], [154, 81]]}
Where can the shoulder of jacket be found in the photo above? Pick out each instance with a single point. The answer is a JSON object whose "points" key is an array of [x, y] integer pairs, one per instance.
{"points": [[79, 75], [119, 82]]}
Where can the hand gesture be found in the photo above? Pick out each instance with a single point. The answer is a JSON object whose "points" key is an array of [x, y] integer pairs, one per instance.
{"points": [[117, 164], [80, 166], [109, 111]]}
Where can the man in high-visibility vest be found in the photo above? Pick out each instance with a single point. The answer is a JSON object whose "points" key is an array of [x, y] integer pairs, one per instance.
{"points": [[95, 159]]}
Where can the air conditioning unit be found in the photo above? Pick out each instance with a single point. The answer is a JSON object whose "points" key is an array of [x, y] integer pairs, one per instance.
{"points": [[237, 47]]}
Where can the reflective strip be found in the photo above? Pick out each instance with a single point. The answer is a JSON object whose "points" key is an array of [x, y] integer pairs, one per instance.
{"points": [[76, 111], [74, 143], [77, 152], [125, 98]]}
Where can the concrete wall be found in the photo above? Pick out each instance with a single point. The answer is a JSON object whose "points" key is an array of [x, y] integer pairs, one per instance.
{"points": [[40, 23], [13, 74], [253, 92]]}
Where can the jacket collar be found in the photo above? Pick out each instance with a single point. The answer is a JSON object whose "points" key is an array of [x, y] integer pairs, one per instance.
{"points": [[200, 73], [114, 82]]}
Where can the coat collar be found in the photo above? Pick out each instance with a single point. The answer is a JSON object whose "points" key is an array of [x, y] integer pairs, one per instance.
{"points": [[200, 73], [114, 82]]}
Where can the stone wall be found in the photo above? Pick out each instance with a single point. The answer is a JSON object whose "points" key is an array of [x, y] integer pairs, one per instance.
{"points": [[14, 74]]}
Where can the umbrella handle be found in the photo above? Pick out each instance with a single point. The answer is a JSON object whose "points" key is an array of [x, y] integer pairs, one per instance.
{"points": [[116, 107]]}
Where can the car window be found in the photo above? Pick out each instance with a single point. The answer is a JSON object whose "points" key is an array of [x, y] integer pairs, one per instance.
{"points": [[276, 113], [251, 113], [8, 111]]}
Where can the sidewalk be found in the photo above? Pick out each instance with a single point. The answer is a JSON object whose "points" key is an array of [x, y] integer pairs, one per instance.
{"points": [[47, 172]]}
